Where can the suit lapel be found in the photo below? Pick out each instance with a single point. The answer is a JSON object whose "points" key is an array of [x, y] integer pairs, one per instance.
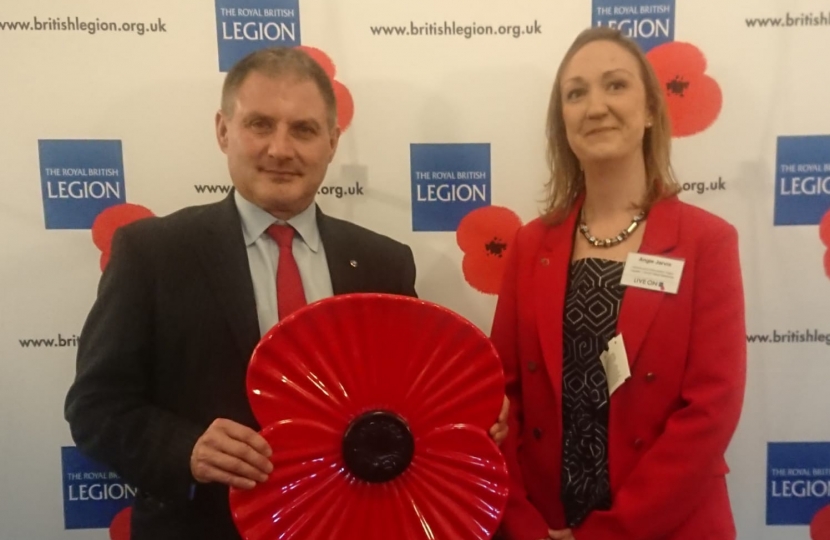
{"points": [[639, 306], [344, 268], [224, 257], [550, 282]]}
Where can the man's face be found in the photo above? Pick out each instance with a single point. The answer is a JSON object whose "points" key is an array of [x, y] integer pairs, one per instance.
{"points": [[278, 142]]}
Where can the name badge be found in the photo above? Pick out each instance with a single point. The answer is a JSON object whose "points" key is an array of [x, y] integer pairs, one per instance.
{"points": [[652, 272], [615, 362]]}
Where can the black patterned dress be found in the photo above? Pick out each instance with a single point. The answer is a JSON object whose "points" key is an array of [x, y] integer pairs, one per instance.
{"points": [[592, 306]]}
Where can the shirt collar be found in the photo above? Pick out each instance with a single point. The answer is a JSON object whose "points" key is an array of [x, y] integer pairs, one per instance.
{"points": [[255, 221]]}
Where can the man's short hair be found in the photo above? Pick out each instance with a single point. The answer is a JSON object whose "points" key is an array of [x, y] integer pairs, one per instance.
{"points": [[279, 62]]}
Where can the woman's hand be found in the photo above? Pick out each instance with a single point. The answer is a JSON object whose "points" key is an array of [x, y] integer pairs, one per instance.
{"points": [[499, 430]]}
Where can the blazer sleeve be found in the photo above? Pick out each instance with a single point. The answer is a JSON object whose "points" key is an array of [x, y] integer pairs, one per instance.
{"points": [[671, 478], [109, 406], [408, 273], [521, 519]]}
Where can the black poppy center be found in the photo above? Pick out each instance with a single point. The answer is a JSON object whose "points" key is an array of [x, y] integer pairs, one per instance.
{"points": [[378, 446], [677, 86], [496, 247]]}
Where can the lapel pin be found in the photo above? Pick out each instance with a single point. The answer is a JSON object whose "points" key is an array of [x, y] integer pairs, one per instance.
{"points": [[545, 261], [353, 263]]}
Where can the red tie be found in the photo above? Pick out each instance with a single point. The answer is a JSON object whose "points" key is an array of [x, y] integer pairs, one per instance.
{"points": [[290, 295]]}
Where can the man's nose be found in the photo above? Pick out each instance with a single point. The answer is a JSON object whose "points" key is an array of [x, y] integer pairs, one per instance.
{"points": [[280, 144]]}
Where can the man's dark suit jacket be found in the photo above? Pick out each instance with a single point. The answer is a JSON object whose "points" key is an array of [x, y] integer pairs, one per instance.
{"points": [[165, 349]]}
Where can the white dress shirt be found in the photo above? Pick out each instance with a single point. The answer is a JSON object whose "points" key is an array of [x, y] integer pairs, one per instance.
{"points": [[264, 254]]}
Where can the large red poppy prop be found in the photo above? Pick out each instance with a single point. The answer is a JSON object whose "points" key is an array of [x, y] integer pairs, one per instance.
{"points": [[376, 408]]}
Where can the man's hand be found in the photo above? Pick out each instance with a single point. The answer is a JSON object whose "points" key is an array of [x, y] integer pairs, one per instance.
{"points": [[564, 534], [231, 454], [499, 430]]}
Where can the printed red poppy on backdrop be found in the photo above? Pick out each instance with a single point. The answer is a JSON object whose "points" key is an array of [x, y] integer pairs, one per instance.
{"points": [[376, 408], [824, 229], [824, 234], [484, 235], [120, 526], [694, 99], [345, 103], [820, 526], [109, 220]]}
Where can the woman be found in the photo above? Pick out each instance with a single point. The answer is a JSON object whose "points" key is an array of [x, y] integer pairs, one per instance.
{"points": [[643, 460]]}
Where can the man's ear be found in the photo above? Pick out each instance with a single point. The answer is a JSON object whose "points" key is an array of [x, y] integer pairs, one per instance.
{"points": [[221, 130], [334, 140]]}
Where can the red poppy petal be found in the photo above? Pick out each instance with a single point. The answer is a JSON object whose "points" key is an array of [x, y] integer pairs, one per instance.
{"points": [[485, 235], [820, 526], [697, 110], [287, 380], [459, 480], [677, 55], [484, 273], [321, 58], [308, 475], [345, 105], [120, 525], [310, 493], [461, 380], [348, 354], [112, 218], [483, 226], [694, 99], [824, 229], [381, 511]]}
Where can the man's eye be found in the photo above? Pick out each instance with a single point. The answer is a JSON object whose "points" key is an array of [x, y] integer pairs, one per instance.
{"points": [[259, 125]]}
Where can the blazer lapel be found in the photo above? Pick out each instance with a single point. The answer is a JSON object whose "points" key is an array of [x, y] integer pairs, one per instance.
{"points": [[344, 269], [550, 283], [224, 257], [639, 306]]}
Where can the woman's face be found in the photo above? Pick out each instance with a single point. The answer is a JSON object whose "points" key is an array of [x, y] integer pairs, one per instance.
{"points": [[604, 105]]}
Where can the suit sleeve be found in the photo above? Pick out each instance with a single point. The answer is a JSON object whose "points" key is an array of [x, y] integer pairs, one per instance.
{"points": [[109, 406], [672, 477], [521, 519], [408, 273]]}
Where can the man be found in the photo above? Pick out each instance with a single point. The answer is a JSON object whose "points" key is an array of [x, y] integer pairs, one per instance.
{"points": [[159, 394]]}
